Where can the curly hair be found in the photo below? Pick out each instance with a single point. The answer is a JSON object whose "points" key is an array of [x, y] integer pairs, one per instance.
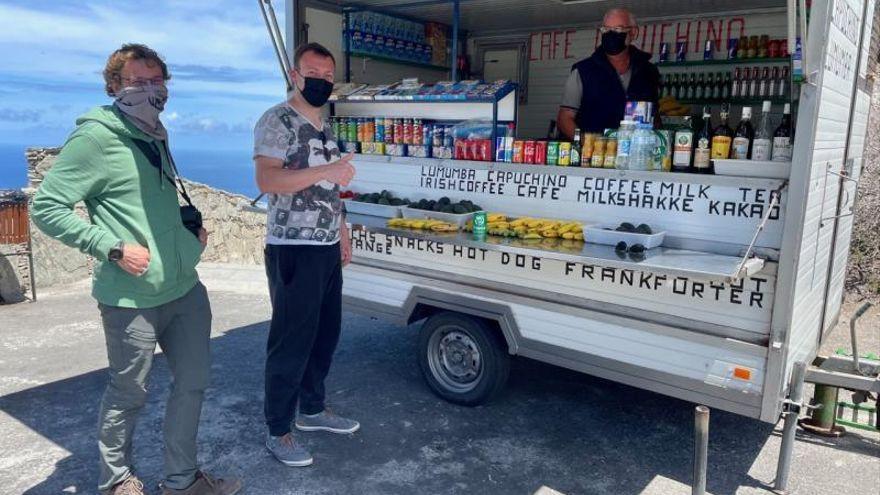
{"points": [[130, 51]]}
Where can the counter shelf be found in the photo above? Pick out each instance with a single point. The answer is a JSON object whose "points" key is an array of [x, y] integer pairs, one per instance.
{"points": [[676, 262]]}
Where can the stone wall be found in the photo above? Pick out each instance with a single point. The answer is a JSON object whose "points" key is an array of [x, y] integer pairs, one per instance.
{"points": [[236, 235]]}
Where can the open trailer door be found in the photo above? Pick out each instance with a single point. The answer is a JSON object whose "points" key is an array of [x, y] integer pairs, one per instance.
{"points": [[853, 163], [830, 131]]}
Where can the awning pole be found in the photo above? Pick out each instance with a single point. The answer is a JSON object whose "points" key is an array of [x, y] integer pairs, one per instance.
{"points": [[455, 20]]}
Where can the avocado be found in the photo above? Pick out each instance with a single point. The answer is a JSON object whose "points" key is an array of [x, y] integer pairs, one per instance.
{"points": [[637, 249], [374, 198], [444, 201], [386, 193], [477, 208], [644, 229], [447, 209], [395, 202], [626, 227], [621, 246], [459, 209], [384, 201]]}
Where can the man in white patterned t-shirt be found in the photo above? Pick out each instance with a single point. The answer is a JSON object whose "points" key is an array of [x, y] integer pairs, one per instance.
{"points": [[307, 244]]}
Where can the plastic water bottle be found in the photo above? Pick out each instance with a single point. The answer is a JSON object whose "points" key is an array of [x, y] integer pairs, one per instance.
{"points": [[642, 150], [624, 143]]}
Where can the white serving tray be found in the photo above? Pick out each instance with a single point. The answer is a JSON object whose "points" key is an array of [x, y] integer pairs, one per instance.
{"points": [[598, 235], [753, 168], [372, 209], [458, 219]]}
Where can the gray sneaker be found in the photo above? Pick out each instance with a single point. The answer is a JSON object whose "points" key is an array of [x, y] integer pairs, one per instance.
{"points": [[292, 454], [326, 421]]}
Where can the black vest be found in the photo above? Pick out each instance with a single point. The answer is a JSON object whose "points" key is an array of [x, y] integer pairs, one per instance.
{"points": [[603, 100]]}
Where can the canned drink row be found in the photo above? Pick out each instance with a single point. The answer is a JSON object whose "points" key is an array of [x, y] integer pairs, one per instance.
{"points": [[391, 131]]}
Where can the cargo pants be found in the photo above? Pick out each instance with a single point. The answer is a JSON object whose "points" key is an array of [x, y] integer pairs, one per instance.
{"points": [[182, 329]]}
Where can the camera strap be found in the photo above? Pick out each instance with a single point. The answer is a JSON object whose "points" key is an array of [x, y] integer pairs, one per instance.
{"points": [[153, 154]]}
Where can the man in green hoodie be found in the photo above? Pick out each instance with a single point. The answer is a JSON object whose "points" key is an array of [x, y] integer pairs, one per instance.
{"points": [[117, 161]]}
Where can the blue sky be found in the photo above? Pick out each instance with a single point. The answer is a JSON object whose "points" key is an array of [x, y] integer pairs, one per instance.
{"points": [[224, 73]]}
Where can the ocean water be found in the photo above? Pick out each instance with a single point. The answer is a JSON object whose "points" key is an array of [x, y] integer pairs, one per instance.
{"points": [[230, 170]]}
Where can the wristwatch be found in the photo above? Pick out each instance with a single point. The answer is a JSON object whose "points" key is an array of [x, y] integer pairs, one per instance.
{"points": [[115, 253]]}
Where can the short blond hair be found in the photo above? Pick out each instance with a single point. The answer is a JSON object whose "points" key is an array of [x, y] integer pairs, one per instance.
{"points": [[130, 51]]}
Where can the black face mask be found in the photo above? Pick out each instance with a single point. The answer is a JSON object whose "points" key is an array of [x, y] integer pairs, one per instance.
{"points": [[316, 91], [614, 43]]}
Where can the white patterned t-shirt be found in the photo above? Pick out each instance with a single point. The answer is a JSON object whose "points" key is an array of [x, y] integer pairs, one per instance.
{"points": [[311, 216]]}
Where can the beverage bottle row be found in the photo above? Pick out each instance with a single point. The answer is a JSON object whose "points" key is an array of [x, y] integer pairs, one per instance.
{"points": [[695, 150], [744, 83]]}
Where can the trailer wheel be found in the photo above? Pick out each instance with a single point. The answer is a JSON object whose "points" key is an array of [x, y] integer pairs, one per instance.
{"points": [[462, 358]]}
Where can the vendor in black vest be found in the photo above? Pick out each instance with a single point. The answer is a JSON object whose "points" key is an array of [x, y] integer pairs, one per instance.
{"points": [[598, 87]]}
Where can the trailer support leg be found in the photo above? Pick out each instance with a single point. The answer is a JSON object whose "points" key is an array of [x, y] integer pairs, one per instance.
{"points": [[791, 410], [822, 416], [701, 449]]}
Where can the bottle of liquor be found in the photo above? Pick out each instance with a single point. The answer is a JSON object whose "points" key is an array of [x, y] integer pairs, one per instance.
{"points": [[763, 141], [576, 146], [782, 138], [715, 83], [753, 82], [784, 84], [675, 90], [743, 137], [726, 87], [736, 85], [703, 145], [764, 83], [774, 83], [683, 146], [691, 88], [700, 88], [722, 136], [664, 85]]}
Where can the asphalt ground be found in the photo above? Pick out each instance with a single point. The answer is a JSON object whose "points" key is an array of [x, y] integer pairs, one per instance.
{"points": [[550, 427]]}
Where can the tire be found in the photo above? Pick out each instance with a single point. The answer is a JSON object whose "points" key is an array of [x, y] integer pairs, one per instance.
{"points": [[463, 358]]}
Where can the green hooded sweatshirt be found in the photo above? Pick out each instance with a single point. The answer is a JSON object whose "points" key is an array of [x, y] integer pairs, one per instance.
{"points": [[128, 200]]}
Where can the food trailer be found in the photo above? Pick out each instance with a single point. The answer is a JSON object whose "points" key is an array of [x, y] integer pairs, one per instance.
{"points": [[749, 275]]}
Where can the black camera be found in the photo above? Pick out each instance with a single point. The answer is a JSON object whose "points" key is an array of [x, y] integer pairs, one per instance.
{"points": [[192, 219]]}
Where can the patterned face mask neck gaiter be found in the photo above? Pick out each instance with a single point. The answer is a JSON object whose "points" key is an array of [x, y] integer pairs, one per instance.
{"points": [[143, 104]]}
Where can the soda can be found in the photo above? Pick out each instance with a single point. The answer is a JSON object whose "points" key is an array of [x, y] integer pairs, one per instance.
{"points": [[499, 149], [437, 136], [417, 132], [334, 124], [352, 134], [540, 152], [427, 131], [460, 149], [389, 130], [518, 151], [360, 130], [380, 130], [407, 131], [664, 52], [680, 51], [610, 153], [564, 158], [709, 50], [480, 223], [552, 152], [398, 131], [529, 152], [732, 48], [448, 136], [369, 130], [598, 158], [484, 147]]}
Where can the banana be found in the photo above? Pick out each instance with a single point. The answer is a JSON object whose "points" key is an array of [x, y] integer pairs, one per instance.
{"points": [[567, 235], [551, 233]]}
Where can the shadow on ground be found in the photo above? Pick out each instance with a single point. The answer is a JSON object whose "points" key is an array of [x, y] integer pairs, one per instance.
{"points": [[574, 433]]}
